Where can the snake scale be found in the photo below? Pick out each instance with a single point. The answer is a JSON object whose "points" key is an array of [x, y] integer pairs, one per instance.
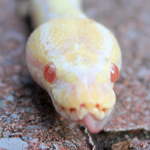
{"points": [[75, 59]]}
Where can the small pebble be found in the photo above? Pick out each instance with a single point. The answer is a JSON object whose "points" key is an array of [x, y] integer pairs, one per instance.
{"points": [[3, 104], [1, 130], [43, 146], [10, 98], [24, 138], [6, 113], [15, 116], [35, 140]]}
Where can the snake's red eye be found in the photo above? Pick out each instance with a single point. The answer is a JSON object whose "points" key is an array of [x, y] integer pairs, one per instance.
{"points": [[49, 72], [114, 74]]}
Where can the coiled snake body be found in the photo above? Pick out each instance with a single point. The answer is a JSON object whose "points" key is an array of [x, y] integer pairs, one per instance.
{"points": [[75, 59]]}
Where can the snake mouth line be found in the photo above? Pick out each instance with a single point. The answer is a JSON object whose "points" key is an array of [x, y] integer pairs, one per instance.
{"points": [[78, 115], [83, 116]]}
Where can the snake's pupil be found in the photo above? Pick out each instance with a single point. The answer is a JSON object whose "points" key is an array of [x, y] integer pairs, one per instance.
{"points": [[49, 72], [114, 73]]}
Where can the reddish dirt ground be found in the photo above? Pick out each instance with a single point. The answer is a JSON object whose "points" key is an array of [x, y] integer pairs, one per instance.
{"points": [[28, 118]]}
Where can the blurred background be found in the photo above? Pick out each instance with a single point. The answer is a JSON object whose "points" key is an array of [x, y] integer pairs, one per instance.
{"points": [[28, 118]]}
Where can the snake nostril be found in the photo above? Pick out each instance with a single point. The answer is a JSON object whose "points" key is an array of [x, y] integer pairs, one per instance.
{"points": [[104, 110], [72, 109], [82, 105], [62, 108], [97, 106]]}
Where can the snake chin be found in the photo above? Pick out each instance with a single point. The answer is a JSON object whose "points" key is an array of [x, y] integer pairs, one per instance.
{"points": [[93, 125]]}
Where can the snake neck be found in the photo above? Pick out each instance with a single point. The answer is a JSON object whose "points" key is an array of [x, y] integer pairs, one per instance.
{"points": [[44, 10]]}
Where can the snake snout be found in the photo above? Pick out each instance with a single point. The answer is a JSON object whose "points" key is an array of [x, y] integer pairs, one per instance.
{"points": [[85, 105]]}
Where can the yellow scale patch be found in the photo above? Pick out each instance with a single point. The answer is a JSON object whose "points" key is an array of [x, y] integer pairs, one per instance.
{"points": [[72, 38], [83, 42], [57, 8]]}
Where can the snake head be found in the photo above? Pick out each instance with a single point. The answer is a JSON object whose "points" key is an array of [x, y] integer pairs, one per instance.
{"points": [[76, 61]]}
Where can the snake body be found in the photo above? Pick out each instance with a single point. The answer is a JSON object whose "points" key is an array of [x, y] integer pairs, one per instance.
{"points": [[75, 59]]}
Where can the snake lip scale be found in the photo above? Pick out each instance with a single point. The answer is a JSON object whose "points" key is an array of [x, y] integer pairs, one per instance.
{"points": [[75, 59]]}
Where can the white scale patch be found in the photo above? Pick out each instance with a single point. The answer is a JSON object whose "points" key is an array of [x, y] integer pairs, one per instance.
{"points": [[87, 73]]}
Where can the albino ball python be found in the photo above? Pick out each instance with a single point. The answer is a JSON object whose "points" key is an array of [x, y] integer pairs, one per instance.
{"points": [[75, 59]]}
